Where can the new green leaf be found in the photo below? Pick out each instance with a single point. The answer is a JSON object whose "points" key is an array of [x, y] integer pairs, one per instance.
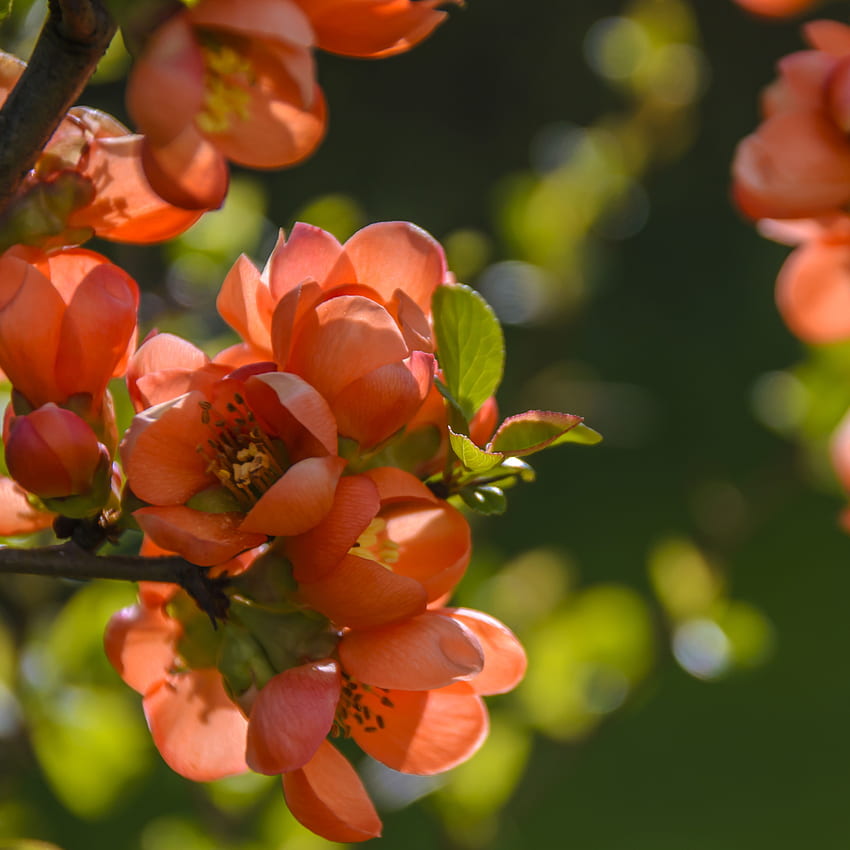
{"points": [[470, 345]]}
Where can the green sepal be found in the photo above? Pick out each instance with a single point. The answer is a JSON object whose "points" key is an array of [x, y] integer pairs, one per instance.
{"points": [[470, 346], [242, 661], [485, 499], [214, 500]]}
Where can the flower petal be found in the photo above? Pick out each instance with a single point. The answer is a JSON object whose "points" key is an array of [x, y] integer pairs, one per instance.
{"points": [[316, 552], [291, 716], [244, 302], [17, 515], [361, 593], [392, 255], [418, 654], [198, 731], [202, 538], [504, 658], [297, 501], [423, 732], [327, 796], [140, 643], [309, 252]]}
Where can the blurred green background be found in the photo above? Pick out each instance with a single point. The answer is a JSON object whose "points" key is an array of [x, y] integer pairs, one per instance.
{"points": [[682, 588]]}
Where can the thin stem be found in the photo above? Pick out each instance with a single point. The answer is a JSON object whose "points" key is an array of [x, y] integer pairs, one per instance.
{"points": [[68, 560], [75, 35]]}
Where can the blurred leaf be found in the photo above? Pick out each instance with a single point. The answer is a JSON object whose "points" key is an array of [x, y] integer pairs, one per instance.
{"points": [[339, 214], [750, 633], [487, 500], [470, 345], [5, 9], [91, 744], [26, 844], [685, 583]]}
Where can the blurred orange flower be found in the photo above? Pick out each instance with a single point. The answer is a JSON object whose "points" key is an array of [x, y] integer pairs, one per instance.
{"points": [[797, 163]]}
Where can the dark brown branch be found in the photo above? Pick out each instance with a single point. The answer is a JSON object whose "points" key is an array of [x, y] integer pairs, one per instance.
{"points": [[70, 561], [72, 41]]}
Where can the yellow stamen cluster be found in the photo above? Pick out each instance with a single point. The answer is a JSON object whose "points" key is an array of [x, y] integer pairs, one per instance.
{"points": [[374, 545], [241, 456], [229, 75]]}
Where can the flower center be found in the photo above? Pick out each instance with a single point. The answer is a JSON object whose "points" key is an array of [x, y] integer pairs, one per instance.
{"points": [[354, 707], [374, 544], [240, 455], [228, 76]]}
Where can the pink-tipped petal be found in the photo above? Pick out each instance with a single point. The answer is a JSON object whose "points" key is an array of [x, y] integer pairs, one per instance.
{"points": [[424, 652], [291, 716], [309, 252]]}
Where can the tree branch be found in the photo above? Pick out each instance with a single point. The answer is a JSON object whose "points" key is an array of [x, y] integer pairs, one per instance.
{"points": [[68, 560], [72, 40]]}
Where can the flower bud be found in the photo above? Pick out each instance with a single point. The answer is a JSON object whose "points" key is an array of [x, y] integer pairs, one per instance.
{"points": [[51, 452]]}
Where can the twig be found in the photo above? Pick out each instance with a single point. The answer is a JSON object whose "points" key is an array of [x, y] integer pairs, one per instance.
{"points": [[75, 35], [68, 560]]}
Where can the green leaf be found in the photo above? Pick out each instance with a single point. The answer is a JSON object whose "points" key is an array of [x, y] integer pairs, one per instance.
{"points": [[470, 345], [473, 458], [487, 500], [535, 430]]}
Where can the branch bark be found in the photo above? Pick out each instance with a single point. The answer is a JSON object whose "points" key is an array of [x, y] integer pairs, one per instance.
{"points": [[68, 560], [75, 35]]}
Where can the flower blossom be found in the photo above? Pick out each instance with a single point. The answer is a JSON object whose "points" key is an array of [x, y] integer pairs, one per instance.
{"points": [[221, 82], [88, 180], [776, 8], [352, 320], [223, 467], [409, 694], [797, 163], [67, 326]]}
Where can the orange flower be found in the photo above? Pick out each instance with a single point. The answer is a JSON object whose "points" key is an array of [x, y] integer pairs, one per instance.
{"points": [[408, 693], [351, 319], [251, 455], [51, 452], [224, 81], [87, 181], [372, 28], [67, 325], [386, 549], [797, 163]]}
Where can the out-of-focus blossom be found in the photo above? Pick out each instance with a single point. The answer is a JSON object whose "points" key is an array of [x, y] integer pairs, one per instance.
{"points": [[221, 468], [351, 319], [17, 515], [813, 286], [67, 326], [372, 28], [797, 163], [87, 181], [223, 81], [776, 8]]}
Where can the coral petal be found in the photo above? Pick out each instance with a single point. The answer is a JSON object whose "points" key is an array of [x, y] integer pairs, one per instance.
{"points": [[424, 732], [299, 500], [291, 716], [418, 654], [361, 593], [327, 796], [196, 728]]}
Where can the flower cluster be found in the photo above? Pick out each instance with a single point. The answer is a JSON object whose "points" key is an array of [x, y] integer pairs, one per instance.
{"points": [[316, 469], [309, 479], [793, 175]]}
